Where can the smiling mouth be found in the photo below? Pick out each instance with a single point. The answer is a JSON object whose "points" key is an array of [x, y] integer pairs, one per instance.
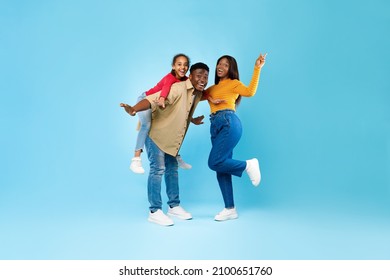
{"points": [[201, 86]]}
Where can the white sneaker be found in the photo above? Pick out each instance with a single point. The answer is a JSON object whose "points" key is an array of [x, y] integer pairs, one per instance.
{"points": [[136, 165], [179, 212], [160, 218], [253, 170], [182, 163], [226, 214]]}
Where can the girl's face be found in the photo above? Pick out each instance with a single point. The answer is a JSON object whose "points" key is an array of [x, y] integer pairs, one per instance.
{"points": [[223, 69], [180, 67]]}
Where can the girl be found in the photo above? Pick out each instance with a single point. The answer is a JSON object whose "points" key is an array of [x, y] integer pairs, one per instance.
{"points": [[180, 65], [226, 130]]}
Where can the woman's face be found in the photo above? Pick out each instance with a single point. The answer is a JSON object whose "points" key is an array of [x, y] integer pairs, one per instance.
{"points": [[180, 67], [223, 69]]}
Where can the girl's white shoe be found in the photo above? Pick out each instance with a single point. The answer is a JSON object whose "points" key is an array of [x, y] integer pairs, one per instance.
{"points": [[182, 163], [136, 165]]}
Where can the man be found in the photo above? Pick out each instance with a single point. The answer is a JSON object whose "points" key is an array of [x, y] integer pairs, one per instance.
{"points": [[166, 135]]}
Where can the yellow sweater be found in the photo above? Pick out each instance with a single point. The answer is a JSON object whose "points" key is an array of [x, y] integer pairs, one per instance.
{"points": [[229, 90]]}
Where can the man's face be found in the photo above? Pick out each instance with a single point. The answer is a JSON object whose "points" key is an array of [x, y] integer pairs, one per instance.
{"points": [[199, 79]]}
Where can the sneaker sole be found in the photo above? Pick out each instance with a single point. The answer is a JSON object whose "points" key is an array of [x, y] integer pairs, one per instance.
{"points": [[258, 167], [180, 217], [185, 167], [136, 171], [159, 223], [231, 217]]}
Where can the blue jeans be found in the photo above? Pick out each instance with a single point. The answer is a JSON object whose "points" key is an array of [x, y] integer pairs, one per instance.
{"points": [[145, 117], [161, 164], [226, 131]]}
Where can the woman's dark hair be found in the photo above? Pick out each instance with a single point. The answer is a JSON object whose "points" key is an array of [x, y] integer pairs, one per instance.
{"points": [[174, 60], [232, 72]]}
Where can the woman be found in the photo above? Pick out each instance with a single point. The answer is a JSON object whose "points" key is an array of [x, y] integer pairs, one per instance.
{"points": [[226, 129]]}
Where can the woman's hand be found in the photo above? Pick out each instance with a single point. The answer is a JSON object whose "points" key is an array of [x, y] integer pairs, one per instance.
{"points": [[260, 60]]}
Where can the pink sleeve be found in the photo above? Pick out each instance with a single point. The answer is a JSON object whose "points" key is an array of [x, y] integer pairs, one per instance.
{"points": [[158, 86], [166, 87]]}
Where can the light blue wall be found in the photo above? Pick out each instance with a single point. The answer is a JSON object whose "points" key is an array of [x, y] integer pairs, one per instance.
{"points": [[319, 124]]}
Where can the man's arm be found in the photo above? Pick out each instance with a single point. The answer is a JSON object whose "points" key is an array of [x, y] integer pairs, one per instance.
{"points": [[143, 105]]}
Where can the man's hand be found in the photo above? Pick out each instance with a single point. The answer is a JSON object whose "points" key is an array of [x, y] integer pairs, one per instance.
{"points": [[216, 101], [197, 120], [130, 110]]}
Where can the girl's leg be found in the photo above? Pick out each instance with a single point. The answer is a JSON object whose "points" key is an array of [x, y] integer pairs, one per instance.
{"points": [[145, 121], [145, 118]]}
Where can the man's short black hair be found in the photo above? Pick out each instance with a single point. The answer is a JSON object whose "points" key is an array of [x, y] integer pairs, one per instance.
{"points": [[199, 65]]}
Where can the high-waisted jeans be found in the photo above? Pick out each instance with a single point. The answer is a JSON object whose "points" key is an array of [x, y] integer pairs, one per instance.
{"points": [[226, 131]]}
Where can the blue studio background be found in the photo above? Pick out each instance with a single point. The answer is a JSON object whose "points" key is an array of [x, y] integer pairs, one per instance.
{"points": [[319, 125]]}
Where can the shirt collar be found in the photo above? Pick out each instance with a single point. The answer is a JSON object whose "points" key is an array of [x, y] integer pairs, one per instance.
{"points": [[189, 84]]}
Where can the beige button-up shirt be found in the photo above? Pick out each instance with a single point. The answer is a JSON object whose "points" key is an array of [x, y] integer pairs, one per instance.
{"points": [[169, 125]]}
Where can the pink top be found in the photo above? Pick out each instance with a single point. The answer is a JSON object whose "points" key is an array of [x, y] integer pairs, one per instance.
{"points": [[164, 85]]}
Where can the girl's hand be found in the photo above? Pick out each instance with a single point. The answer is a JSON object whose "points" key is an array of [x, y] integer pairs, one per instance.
{"points": [[260, 60], [161, 102]]}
